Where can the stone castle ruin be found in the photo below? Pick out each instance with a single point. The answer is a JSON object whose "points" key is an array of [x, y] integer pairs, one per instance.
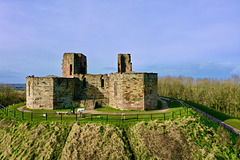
{"points": [[124, 90]]}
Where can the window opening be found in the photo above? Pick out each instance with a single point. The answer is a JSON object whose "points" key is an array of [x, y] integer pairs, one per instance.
{"points": [[102, 81], [70, 69]]}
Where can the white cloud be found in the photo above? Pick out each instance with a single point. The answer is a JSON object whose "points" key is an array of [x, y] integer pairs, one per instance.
{"points": [[236, 70], [154, 32]]}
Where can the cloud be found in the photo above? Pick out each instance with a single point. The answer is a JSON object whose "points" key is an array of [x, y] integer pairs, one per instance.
{"points": [[236, 70], [168, 37], [10, 76], [197, 70]]}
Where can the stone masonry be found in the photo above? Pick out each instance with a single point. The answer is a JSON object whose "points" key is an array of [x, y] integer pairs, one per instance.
{"points": [[125, 90], [124, 63]]}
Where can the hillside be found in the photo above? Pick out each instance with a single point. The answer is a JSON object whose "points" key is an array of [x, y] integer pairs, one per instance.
{"points": [[190, 137]]}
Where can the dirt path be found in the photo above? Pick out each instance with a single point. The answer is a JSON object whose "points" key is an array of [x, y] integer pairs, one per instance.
{"points": [[164, 103], [21, 109], [164, 109]]}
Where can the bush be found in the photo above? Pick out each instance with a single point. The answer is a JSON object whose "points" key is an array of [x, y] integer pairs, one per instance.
{"points": [[8, 96]]}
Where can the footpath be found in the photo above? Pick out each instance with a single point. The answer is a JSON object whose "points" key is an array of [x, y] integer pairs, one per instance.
{"points": [[164, 109]]}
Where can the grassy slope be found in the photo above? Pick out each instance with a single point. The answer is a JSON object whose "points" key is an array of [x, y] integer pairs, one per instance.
{"points": [[219, 115], [183, 138]]}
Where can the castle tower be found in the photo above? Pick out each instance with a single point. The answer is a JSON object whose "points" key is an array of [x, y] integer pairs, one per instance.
{"points": [[74, 63], [124, 63]]}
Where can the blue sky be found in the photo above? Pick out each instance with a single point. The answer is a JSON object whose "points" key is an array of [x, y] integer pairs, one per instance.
{"points": [[198, 38]]}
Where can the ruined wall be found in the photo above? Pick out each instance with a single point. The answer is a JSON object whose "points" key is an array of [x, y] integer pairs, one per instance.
{"points": [[65, 91], [124, 63], [51, 92], [150, 90], [91, 103], [74, 63], [115, 90], [93, 86], [126, 91], [39, 92]]}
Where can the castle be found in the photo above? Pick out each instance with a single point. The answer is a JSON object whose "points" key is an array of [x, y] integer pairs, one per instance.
{"points": [[124, 90]]}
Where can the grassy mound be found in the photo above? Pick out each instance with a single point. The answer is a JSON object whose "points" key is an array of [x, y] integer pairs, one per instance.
{"points": [[192, 137]]}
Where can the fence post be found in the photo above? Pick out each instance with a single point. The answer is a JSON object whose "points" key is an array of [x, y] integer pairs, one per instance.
{"points": [[151, 116], [164, 116], [46, 116], [107, 117], [14, 112], [123, 117], [22, 115], [76, 116], [164, 130], [31, 116]]}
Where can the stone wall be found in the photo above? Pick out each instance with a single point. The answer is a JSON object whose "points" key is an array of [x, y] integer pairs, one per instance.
{"points": [[124, 63], [115, 90], [94, 86], [74, 63], [150, 90], [133, 91], [126, 91], [51, 92], [65, 91], [39, 92], [91, 103]]}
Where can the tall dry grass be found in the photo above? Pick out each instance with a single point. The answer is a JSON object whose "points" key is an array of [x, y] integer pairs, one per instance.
{"points": [[221, 95], [95, 141], [183, 138]]}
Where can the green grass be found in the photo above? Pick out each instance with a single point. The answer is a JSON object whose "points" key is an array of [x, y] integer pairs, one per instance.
{"points": [[173, 106], [233, 122], [43, 115], [15, 106], [219, 115], [179, 138], [110, 109], [49, 111]]}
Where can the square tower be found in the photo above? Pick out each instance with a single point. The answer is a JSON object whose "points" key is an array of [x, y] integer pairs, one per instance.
{"points": [[124, 63], [74, 63]]}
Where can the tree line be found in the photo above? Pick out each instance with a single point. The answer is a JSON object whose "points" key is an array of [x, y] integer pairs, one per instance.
{"points": [[9, 96], [221, 95]]}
